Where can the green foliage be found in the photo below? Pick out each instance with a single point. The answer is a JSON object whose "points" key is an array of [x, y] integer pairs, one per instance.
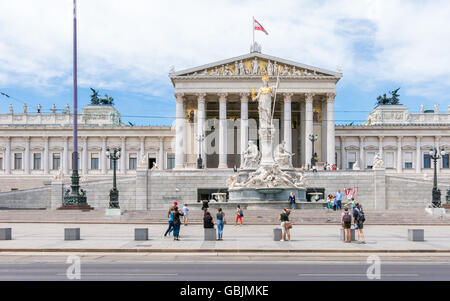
{"points": [[105, 101], [393, 100]]}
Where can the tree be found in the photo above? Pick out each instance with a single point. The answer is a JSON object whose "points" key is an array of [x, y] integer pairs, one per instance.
{"points": [[384, 100]]}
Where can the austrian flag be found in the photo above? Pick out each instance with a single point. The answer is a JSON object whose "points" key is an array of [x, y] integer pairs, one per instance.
{"points": [[258, 26]]}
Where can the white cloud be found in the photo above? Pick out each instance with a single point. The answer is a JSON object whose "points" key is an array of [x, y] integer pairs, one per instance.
{"points": [[129, 45]]}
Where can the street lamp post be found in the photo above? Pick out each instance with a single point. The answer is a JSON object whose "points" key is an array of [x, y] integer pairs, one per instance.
{"points": [[200, 139], [436, 193], [75, 198], [114, 192], [313, 138]]}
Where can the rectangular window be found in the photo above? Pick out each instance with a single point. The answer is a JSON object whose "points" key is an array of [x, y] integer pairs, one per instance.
{"points": [[369, 159], [18, 161], [389, 159], [170, 161], [132, 164], [445, 161], [56, 161], [94, 161], [37, 161], [351, 159], [426, 161], [408, 160]]}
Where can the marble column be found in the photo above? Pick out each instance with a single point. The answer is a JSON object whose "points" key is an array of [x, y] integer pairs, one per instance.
{"points": [[104, 159], [27, 155], [8, 159], [223, 130], [142, 149], [244, 124], [161, 153], [302, 139], [342, 146], [308, 127], [46, 156], [123, 155], [399, 154], [362, 164], [65, 159], [380, 145], [287, 120], [85, 156], [201, 122], [324, 135], [331, 142], [179, 127], [418, 155]]}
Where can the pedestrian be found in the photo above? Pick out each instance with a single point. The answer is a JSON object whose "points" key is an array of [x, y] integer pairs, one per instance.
{"points": [[208, 220], [239, 214], [325, 166], [185, 216], [220, 223], [292, 200], [170, 216], [334, 202], [235, 169], [205, 205], [339, 198], [176, 223], [329, 201], [346, 223], [285, 225], [358, 220]]}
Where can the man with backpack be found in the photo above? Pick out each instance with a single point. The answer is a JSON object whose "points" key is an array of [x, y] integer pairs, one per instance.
{"points": [[346, 222], [359, 219]]}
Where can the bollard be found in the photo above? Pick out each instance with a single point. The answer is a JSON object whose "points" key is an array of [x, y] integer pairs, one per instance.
{"points": [[5, 234], [210, 234], [416, 234], [71, 233], [277, 234], [141, 234], [352, 235]]}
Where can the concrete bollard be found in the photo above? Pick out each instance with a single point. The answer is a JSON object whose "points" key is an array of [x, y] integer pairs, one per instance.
{"points": [[141, 234], [416, 234], [352, 235], [5, 234], [277, 234], [210, 234], [71, 233]]}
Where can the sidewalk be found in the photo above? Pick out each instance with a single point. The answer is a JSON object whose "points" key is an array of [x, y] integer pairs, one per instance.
{"points": [[251, 238]]}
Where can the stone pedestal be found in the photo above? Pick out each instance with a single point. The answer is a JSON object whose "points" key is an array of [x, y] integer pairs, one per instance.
{"points": [[277, 234], [5, 234], [141, 234], [436, 211], [113, 212], [352, 235], [71, 233], [416, 234], [210, 234]]}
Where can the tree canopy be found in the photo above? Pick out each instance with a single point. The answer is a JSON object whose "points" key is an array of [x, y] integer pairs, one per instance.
{"points": [[393, 100], [97, 101]]}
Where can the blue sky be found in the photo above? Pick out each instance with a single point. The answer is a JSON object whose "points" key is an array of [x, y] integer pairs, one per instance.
{"points": [[127, 47]]}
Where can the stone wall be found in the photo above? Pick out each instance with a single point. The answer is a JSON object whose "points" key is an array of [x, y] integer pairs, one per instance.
{"points": [[39, 198]]}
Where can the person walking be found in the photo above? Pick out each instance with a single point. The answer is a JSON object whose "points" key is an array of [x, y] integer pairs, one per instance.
{"points": [[358, 220], [329, 201], [339, 198], [292, 200], [185, 210], [208, 220], [239, 214], [170, 216], [346, 222], [220, 223], [334, 202], [176, 223], [205, 205], [285, 225]]}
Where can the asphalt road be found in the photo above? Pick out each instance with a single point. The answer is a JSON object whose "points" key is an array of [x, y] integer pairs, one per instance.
{"points": [[224, 271]]}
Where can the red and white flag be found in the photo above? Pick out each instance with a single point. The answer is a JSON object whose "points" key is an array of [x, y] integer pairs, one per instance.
{"points": [[258, 26]]}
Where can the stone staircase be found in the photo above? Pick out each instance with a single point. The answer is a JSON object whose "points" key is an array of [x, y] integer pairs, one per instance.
{"points": [[256, 217]]}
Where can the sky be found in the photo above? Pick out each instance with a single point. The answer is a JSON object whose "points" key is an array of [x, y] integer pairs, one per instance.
{"points": [[126, 48]]}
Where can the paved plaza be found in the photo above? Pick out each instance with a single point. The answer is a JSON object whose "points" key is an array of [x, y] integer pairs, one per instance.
{"points": [[251, 238]]}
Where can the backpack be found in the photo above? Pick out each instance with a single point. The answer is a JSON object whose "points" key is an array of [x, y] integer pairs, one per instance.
{"points": [[360, 217], [241, 213], [171, 216], [347, 218]]}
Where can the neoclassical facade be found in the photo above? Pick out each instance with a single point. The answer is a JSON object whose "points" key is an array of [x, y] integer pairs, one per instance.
{"points": [[216, 117]]}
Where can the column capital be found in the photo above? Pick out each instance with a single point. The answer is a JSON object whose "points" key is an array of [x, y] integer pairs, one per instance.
{"points": [[123, 139], [65, 138], [104, 138], [161, 139], [437, 138], [380, 138], [27, 138], [179, 97], [288, 97], [8, 138], [83, 138], [399, 138], [244, 96], [222, 96], [201, 97], [362, 138], [309, 97], [330, 96], [342, 138], [418, 138], [142, 138]]}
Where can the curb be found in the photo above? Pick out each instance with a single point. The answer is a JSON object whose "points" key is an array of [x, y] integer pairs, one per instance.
{"points": [[240, 251]]}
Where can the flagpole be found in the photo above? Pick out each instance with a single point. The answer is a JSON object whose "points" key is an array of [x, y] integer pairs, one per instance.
{"points": [[253, 29]]}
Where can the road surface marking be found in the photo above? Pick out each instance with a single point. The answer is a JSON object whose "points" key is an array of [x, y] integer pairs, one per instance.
{"points": [[356, 275]]}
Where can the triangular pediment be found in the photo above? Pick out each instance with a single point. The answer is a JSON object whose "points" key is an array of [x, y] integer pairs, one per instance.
{"points": [[253, 65]]}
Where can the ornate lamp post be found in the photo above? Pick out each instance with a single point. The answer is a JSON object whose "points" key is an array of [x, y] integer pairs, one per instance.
{"points": [[200, 139], [114, 192], [313, 138], [75, 198], [436, 193]]}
